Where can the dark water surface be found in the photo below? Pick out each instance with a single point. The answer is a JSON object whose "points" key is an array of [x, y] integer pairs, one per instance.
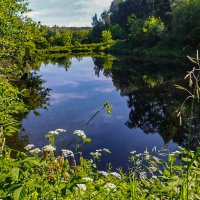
{"points": [[142, 96]]}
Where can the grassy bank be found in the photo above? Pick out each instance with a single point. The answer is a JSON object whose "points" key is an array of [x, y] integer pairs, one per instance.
{"points": [[95, 47], [160, 50], [122, 48]]}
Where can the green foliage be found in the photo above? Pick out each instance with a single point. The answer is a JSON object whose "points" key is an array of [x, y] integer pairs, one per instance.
{"points": [[66, 36], [135, 30], [17, 32], [106, 36], [116, 31], [151, 26], [11, 105], [50, 177], [153, 29], [186, 20]]}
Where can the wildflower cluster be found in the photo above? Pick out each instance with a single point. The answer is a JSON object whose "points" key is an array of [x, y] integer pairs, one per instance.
{"points": [[115, 174], [151, 177], [29, 147], [67, 153], [98, 153], [80, 133], [57, 132], [35, 151], [49, 148]]}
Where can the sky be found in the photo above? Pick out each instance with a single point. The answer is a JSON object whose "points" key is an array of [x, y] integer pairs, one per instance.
{"points": [[70, 13]]}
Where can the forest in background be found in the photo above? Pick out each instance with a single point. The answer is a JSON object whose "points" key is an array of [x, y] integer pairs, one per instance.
{"points": [[166, 25], [163, 27]]}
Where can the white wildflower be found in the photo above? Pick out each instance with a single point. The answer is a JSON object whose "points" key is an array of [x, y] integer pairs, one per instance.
{"points": [[156, 159], [147, 157], [94, 165], [91, 161], [138, 155], [138, 162], [154, 177], [143, 175], [103, 173], [67, 153], [177, 152], [49, 148], [57, 131], [29, 147], [117, 175], [152, 169], [35, 151], [80, 133], [106, 150], [52, 132], [95, 154], [132, 152], [60, 130], [82, 187], [87, 179], [99, 150], [110, 186]]}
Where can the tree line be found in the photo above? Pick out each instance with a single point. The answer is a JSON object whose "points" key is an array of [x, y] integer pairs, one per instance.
{"points": [[148, 22]]}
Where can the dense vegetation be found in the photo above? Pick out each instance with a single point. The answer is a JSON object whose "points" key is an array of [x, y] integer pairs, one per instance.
{"points": [[159, 28], [158, 25], [72, 177], [41, 175]]}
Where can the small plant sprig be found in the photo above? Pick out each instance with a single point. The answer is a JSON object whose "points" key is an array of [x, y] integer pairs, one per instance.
{"points": [[106, 106], [193, 77]]}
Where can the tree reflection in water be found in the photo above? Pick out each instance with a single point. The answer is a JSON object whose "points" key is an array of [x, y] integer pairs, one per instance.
{"points": [[152, 98], [35, 96], [149, 86]]}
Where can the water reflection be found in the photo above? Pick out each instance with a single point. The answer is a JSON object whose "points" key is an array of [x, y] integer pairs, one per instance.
{"points": [[153, 100], [142, 93], [35, 96]]}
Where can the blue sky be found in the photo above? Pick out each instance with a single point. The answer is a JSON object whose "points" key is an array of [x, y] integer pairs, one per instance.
{"points": [[67, 12]]}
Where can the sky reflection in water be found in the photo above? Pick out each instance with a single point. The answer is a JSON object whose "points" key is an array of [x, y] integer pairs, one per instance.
{"points": [[75, 96]]}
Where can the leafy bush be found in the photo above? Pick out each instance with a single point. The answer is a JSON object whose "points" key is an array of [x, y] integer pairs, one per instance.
{"points": [[186, 20], [106, 36], [153, 29]]}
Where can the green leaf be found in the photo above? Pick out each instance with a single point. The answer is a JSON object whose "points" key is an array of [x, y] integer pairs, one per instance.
{"points": [[15, 173], [19, 194], [192, 161]]}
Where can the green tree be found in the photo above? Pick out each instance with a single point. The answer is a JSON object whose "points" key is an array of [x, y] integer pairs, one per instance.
{"points": [[116, 31], [105, 17], [136, 34], [153, 29], [106, 36], [186, 23]]}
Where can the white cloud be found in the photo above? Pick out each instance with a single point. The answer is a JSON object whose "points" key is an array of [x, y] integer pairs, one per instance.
{"points": [[67, 12]]}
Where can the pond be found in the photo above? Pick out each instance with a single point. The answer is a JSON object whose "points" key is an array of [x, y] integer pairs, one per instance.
{"points": [[143, 98]]}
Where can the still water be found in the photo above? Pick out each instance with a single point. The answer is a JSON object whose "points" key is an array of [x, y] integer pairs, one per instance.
{"points": [[141, 94]]}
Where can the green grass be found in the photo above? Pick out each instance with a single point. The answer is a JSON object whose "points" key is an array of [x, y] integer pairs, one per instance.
{"points": [[95, 47]]}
